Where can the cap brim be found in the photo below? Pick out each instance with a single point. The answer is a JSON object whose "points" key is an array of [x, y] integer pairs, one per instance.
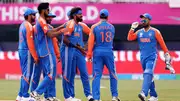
{"points": [[142, 16], [34, 12], [52, 16]]}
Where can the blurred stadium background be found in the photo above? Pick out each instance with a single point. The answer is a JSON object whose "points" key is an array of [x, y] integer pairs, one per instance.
{"points": [[166, 17]]}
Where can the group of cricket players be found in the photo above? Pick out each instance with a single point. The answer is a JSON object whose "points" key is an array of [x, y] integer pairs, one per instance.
{"points": [[40, 50]]}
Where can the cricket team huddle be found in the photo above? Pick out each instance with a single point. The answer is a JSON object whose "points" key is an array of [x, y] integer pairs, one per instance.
{"points": [[39, 49]]}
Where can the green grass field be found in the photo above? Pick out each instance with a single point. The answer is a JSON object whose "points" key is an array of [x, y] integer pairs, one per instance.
{"points": [[168, 90]]}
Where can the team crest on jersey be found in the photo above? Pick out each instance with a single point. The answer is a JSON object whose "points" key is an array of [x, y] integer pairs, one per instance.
{"points": [[141, 34]]}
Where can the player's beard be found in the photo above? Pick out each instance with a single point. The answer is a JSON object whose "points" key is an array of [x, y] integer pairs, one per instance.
{"points": [[32, 20], [79, 19], [45, 15], [145, 26], [49, 21]]}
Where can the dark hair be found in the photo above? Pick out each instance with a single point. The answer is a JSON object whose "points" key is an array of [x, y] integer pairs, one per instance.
{"points": [[71, 17], [102, 16], [26, 17], [74, 10], [43, 6]]}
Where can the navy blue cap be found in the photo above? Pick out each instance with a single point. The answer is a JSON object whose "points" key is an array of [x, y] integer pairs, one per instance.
{"points": [[104, 13], [29, 11], [52, 15], [146, 15]]}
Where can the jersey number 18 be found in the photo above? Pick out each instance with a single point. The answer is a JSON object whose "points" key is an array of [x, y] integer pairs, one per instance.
{"points": [[107, 37]]}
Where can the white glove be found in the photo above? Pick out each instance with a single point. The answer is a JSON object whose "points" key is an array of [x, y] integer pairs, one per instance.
{"points": [[134, 25], [169, 67], [168, 63], [167, 58]]}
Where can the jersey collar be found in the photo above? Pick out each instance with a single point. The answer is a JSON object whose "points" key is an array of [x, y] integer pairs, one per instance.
{"points": [[147, 30]]}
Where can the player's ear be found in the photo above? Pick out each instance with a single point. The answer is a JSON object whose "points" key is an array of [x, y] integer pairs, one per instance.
{"points": [[74, 16]]}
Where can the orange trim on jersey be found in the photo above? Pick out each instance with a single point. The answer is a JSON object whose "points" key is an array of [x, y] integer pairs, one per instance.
{"points": [[70, 27], [56, 47], [43, 25], [91, 40], [131, 35], [160, 40], [86, 29], [30, 40]]}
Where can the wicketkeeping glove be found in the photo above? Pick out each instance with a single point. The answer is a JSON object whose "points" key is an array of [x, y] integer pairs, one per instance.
{"points": [[168, 63], [134, 25]]}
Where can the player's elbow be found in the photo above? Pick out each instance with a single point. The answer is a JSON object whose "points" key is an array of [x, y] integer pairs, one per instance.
{"points": [[129, 39]]}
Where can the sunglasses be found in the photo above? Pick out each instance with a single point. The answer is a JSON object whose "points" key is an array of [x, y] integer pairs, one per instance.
{"points": [[33, 14]]}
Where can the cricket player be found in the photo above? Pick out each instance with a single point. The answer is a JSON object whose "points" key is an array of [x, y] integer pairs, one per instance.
{"points": [[50, 94], [45, 50], [100, 44], [148, 38], [27, 53], [72, 57]]}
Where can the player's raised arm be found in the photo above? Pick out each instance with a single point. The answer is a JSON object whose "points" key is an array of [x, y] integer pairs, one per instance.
{"points": [[90, 43], [59, 27], [131, 34], [86, 29], [30, 41], [50, 33]]}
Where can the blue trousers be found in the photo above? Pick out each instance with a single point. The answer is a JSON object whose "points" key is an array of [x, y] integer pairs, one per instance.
{"points": [[79, 63], [99, 60], [71, 58], [26, 63], [47, 86], [148, 65], [51, 91], [67, 69]]}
